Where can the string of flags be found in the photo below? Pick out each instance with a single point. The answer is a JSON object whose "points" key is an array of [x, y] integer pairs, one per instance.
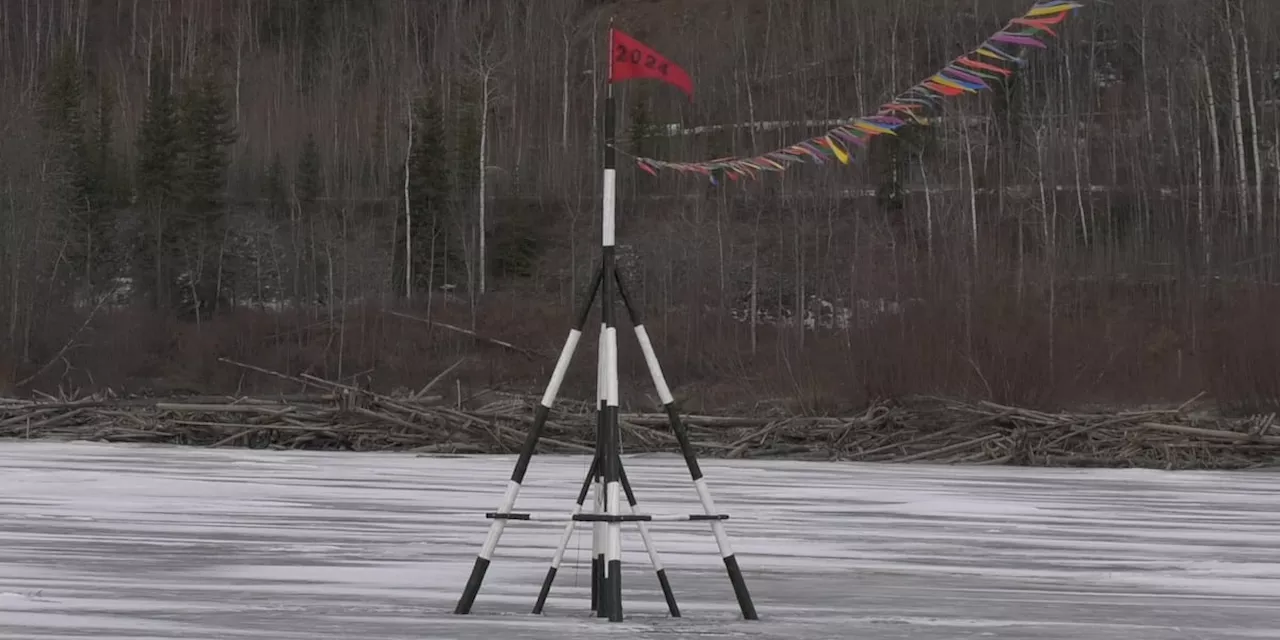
{"points": [[995, 60]]}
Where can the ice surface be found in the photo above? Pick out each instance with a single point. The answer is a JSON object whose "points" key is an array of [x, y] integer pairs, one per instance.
{"points": [[141, 543]]}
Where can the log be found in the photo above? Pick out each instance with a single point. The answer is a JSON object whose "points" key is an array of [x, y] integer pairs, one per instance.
{"points": [[1212, 434], [467, 332]]}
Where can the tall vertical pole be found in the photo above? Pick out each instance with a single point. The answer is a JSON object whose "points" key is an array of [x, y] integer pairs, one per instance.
{"points": [[597, 485], [611, 598]]}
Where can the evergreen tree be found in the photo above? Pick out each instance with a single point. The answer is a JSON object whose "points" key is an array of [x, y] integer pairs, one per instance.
{"points": [[273, 188], [62, 121], [104, 189], [311, 36], [1008, 102], [464, 172], [894, 156], [158, 144], [104, 176], [308, 186], [517, 243], [374, 178], [157, 176], [62, 107], [891, 192], [464, 154], [309, 182], [642, 132], [205, 132], [430, 182]]}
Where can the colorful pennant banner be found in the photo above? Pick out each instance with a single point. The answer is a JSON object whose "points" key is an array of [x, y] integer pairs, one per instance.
{"points": [[993, 61]]}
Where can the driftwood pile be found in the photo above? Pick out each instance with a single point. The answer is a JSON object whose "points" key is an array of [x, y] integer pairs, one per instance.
{"points": [[341, 417], [944, 431]]}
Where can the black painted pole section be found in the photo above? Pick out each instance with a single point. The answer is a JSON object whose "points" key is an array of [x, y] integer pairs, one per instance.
{"points": [[555, 562], [740, 588], [584, 311], [496, 528]]}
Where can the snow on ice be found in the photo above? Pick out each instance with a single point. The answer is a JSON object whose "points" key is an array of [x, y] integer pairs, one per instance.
{"points": [[147, 543]]}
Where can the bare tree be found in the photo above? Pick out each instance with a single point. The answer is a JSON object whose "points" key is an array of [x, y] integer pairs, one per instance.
{"points": [[485, 59]]}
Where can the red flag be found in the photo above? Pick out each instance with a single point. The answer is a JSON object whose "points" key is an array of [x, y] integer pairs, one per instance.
{"points": [[634, 59]]}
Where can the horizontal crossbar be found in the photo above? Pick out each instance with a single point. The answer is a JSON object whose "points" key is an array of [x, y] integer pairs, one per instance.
{"points": [[600, 517]]}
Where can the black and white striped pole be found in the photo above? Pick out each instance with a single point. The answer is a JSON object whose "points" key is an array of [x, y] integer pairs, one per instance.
{"points": [[597, 482], [608, 440], [526, 451]]}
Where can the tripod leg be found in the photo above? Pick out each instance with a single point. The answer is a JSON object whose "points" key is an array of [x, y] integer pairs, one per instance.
{"points": [[650, 548], [564, 540], [526, 452], [690, 457]]}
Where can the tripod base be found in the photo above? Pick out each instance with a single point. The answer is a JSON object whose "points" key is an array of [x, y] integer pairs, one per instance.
{"points": [[606, 477]]}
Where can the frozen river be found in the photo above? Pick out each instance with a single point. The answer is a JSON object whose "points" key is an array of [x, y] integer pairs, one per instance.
{"points": [[141, 543]]}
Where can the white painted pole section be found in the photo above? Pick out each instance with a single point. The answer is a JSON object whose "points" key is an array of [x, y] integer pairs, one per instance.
{"points": [[562, 366], [495, 531], [611, 367], [613, 546], [648, 541], [717, 526], [602, 384], [610, 203], [565, 538], [655, 369]]}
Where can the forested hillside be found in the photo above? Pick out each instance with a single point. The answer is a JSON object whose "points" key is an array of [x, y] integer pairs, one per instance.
{"points": [[183, 182]]}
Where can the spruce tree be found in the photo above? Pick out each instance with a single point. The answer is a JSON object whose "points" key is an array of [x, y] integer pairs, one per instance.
{"points": [[311, 36], [891, 190], [104, 176], [159, 148], [158, 144], [206, 131], [308, 186], [429, 196], [103, 194], [273, 188], [62, 108], [1007, 104], [62, 121], [642, 133], [309, 183], [465, 152], [464, 170], [374, 172]]}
